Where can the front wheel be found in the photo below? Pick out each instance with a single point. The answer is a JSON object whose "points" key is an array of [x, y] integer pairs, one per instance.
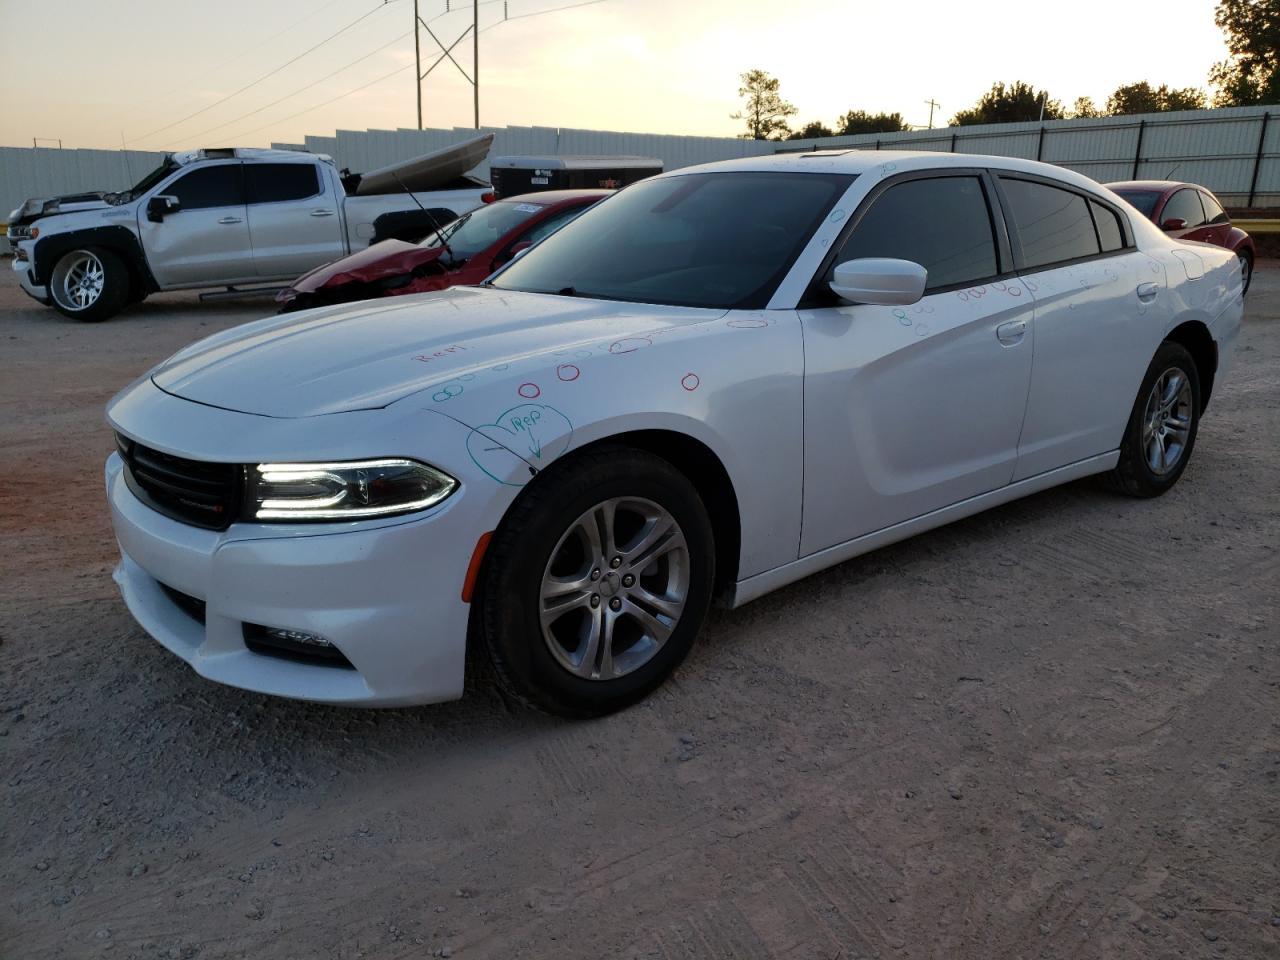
{"points": [[1162, 427], [89, 284], [597, 582]]}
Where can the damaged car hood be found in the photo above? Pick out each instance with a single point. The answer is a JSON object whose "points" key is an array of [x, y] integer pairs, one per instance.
{"points": [[367, 355], [390, 258]]}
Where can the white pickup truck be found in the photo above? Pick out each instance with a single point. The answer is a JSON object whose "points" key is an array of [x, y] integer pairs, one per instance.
{"points": [[228, 218]]}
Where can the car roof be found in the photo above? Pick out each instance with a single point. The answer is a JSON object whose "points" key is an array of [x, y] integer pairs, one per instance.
{"points": [[551, 197], [885, 161], [249, 153]]}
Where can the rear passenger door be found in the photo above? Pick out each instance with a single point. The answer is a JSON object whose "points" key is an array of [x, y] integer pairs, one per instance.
{"points": [[293, 218], [1094, 297], [911, 409], [1217, 225], [1185, 207]]}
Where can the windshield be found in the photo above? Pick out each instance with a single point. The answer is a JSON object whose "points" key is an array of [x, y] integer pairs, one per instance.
{"points": [[721, 240], [167, 166], [482, 228], [1144, 200]]}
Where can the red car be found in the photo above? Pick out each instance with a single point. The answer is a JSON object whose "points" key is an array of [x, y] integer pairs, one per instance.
{"points": [[463, 252], [1187, 211]]}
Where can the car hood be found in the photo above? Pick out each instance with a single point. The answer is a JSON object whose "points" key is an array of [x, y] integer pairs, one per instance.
{"points": [[37, 207], [366, 355], [390, 258]]}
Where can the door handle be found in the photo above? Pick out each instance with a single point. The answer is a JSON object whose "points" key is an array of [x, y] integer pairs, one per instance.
{"points": [[1011, 332], [1148, 291], [322, 213], [231, 220]]}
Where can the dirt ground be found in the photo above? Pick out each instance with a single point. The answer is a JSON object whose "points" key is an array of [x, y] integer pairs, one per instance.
{"points": [[1050, 731]]}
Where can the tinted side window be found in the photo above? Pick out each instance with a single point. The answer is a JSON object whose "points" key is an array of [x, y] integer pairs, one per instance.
{"points": [[219, 186], [1213, 211], [550, 225], [1109, 231], [1053, 225], [273, 182], [942, 223], [1184, 205]]}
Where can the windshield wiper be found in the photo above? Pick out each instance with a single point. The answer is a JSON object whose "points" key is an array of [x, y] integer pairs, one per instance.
{"points": [[567, 292]]}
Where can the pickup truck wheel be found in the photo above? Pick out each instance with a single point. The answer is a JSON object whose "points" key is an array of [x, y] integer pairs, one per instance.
{"points": [[89, 284], [596, 582]]}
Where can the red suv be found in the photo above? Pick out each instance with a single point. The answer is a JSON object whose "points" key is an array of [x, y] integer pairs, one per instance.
{"points": [[1187, 211], [463, 252]]}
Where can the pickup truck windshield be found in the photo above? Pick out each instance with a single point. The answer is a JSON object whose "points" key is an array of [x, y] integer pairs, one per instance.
{"points": [[722, 240], [146, 183], [482, 228]]}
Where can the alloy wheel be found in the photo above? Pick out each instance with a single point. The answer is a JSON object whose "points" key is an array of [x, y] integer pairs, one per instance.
{"points": [[614, 588], [83, 282], [1166, 424]]}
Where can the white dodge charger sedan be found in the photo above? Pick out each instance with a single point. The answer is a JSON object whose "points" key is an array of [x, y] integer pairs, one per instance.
{"points": [[714, 383]]}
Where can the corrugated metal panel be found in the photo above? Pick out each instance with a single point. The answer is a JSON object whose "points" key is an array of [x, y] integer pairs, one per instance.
{"points": [[1214, 147]]}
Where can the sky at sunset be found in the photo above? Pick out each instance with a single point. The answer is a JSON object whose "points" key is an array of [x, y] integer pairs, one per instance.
{"points": [[92, 72]]}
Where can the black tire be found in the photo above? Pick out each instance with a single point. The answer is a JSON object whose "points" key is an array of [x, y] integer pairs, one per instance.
{"points": [[506, 619], [109, 295], [1134, 474], [1246, 270]]}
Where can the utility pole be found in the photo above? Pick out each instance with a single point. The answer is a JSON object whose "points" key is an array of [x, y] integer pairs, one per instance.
{"points": [[475, 56], [932, 104], [417, 62], [447, 52]]}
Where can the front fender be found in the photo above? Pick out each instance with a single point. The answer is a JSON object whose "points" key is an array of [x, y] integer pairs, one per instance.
{"points": [[735, 384], [50, 248]]}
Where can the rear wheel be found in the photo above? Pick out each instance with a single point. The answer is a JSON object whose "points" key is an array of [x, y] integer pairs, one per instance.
{"points": [[1162, 426], [596, 583], [89, 284], [1246, 271]]}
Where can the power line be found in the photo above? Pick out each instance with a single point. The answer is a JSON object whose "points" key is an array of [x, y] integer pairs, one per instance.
{"points": [[407, 66], [538, 13], [268, 75], [388, 76], [291, 28], [303, 89]]}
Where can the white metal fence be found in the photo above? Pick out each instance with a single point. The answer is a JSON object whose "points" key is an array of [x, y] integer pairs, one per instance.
{"points": [[1235, 152]]}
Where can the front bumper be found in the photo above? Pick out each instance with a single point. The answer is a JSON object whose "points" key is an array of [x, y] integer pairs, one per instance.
{"points": [[27, 279], [387, 592], [389, 598]]}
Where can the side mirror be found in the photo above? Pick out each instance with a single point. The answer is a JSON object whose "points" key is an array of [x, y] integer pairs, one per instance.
{"points": [[1174, 223], [882, 281], [160, 206]]}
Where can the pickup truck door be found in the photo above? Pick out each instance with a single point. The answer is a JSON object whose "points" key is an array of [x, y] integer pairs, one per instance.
{"points": [[206, 241], [294, 218]]}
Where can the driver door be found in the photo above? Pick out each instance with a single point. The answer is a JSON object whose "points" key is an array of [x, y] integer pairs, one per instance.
{"points": [[911, 409], [206, 241]]}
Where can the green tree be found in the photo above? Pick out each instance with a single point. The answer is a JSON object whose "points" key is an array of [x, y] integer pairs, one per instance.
{"points": [[1144, 98], [812, 129], [1017, 102], [1085, 109], [764, 110], [1251, 74], [859, 121]]}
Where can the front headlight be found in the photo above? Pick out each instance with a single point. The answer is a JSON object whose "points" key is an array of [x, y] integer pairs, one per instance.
{"points": [[344, 491]]}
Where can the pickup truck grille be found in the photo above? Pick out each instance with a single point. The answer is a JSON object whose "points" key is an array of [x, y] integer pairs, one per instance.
{"points": [[196, 492]]}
